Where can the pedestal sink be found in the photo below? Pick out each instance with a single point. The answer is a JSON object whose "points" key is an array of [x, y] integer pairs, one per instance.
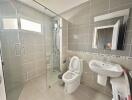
{"points": [[104, 70]]}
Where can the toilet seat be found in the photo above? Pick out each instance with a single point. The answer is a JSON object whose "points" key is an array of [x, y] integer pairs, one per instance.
{"points": [[69, 76], [74, 65]]}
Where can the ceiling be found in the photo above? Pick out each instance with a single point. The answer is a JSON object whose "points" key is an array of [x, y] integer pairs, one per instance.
{"points": [[57, 6]]}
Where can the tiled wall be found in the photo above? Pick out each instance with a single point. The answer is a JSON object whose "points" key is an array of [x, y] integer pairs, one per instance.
{"points": [[81, 25], [80, 35]]}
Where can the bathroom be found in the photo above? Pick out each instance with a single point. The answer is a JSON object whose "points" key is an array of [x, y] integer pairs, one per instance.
{"points": [[39, 38]]}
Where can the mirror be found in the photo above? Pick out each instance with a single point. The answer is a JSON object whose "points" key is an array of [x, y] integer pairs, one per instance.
{"points": [[110, 30]]}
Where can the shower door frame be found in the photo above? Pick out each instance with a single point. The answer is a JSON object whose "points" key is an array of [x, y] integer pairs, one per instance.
{"points": [[2, 84]]}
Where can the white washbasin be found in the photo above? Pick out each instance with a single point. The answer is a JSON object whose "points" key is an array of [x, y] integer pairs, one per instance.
{"points": [[106, 68]]}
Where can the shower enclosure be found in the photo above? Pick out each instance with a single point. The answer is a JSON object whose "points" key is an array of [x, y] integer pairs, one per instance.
{"points": [[31, 46], [54, 67]]}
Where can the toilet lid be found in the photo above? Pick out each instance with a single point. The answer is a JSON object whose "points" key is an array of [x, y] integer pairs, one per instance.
{"points": [[75, 64]]}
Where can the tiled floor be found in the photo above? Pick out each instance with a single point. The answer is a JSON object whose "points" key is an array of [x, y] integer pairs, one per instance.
{"points": [[52, 77], [36, 90]]}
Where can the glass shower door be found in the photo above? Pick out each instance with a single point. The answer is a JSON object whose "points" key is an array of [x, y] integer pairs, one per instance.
{"points": [[53, 53], [10, 46]]}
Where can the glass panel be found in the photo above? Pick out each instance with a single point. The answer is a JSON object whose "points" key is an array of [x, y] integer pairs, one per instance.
{"points": [[53, 53], [13, 69], [30, 25], [10, 46], [33, 57]]}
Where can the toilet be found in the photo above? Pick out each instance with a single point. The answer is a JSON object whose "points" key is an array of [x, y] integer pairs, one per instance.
{"points": [[73, 75]]}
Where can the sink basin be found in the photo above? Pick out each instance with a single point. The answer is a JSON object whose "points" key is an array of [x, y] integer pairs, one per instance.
{"points": [[106, 68]]}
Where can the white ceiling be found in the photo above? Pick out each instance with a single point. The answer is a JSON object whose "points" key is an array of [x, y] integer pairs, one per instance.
{"points": [[33, 4], [57, 6], [60, 6]]}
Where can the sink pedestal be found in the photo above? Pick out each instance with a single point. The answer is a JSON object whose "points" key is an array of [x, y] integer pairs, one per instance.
{"points": [[102, 80]]}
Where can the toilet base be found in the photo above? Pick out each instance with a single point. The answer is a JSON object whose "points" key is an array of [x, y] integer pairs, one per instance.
{"points": [[71, 87]]}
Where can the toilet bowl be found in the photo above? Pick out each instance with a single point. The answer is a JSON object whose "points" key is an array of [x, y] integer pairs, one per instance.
{"points": [[73, 76]]}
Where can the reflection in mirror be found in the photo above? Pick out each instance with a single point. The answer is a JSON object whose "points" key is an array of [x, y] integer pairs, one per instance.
{"points": [[104, 40], [110, 30]]}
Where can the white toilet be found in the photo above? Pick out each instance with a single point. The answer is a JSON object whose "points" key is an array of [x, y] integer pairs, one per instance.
{"points": [[73, 75]]}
